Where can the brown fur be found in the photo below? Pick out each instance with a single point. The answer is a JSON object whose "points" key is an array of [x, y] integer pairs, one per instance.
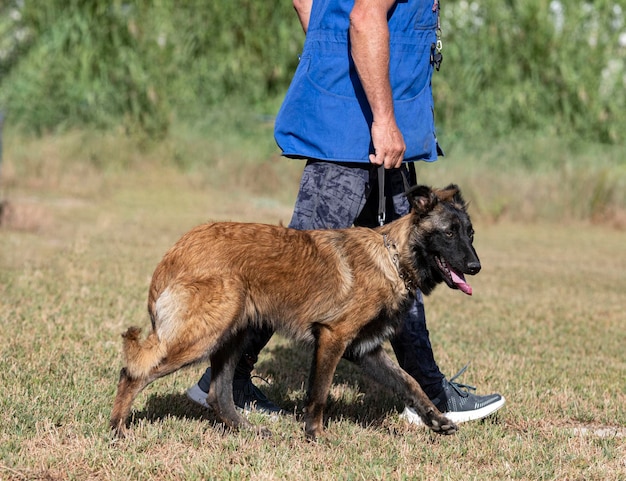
{"points": [[337, 289]]}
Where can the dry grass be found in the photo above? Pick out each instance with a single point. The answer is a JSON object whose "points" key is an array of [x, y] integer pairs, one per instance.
{"points": [[545, 327]]}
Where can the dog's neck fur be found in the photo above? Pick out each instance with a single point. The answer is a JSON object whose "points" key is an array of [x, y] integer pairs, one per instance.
{"points": [[392, 248], [397, 242]]}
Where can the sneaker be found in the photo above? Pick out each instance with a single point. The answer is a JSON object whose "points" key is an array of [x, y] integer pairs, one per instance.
{"points": [[251, 399], [197, 395], [458, 404], [246, 395]]}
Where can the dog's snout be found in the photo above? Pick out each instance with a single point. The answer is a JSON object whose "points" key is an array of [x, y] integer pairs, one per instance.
{"points": [[473, 268]]}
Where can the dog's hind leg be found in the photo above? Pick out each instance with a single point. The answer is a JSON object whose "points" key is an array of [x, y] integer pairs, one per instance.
{"points": [[129, 387], [328, 351], [127, 390], [223, 363], [381, 368], [186, 350]]}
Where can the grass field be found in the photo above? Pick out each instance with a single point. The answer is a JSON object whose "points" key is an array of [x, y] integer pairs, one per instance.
{"points": [[546, 327]]}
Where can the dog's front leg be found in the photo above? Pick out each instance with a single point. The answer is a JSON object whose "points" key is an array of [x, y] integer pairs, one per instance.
{"points": [[328, 351], [379, 366]]}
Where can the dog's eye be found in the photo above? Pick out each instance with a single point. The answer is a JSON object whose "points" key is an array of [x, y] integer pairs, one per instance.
{"points": [[450, 234]]}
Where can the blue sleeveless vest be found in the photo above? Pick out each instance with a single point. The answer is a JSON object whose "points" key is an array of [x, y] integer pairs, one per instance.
{"points": [[325, 114]]}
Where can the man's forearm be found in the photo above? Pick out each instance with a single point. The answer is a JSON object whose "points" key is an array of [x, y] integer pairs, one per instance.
{"points": [[303, 9], [369, 39], [370, 49]]}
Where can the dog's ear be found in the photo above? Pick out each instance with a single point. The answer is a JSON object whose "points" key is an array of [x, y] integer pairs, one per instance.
{"points": [[452, 193], [422, 199]]}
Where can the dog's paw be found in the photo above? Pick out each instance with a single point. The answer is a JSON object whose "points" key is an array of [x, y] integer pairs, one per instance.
{"points": [[442, 425], [119, 432], [312, 433], [311, 438], [263, 432]]}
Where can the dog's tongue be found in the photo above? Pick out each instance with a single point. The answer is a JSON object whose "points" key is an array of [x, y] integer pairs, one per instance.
{"points": [[459, 280]]}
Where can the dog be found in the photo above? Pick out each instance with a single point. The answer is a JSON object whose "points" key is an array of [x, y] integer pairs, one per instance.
{"points": [[344, 290]]}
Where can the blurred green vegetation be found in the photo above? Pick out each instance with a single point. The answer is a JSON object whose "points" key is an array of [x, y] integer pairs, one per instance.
{"points": [[534, 65], [509, 67], [140, 63]]}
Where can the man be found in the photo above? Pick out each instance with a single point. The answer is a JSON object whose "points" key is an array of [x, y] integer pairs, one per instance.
{"points": [[360, 98]]}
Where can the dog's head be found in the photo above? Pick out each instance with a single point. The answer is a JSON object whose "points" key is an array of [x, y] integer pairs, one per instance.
{"points": [[443, 238]]}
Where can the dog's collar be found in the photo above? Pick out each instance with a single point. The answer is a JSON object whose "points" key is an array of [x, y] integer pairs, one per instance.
{"points": [[392, 248]]}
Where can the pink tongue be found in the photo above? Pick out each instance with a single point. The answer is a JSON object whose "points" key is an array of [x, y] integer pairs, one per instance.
{"points": [[460, 283]]}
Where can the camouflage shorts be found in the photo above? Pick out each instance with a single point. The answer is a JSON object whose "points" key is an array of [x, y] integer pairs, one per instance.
{"points": [[337, 195]]}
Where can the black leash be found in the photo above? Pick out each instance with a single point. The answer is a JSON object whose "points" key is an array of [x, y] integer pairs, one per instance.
{"points": [[382, 201], [409, 181]]}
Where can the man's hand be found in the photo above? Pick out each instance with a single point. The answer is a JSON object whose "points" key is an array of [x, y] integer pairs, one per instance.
{"points": [[389, 145]]}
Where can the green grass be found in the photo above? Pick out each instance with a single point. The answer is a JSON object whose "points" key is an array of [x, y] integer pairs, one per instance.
{"points": [[79, 242]]}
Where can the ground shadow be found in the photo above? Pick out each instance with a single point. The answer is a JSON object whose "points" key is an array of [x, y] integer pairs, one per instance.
{"points": [[161, 406], [354, 395]]}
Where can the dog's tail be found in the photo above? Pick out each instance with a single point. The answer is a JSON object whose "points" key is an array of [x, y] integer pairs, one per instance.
{"points": [[142, 356]]}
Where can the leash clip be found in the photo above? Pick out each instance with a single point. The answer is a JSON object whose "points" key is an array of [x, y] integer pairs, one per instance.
{"points": [[436, 57]]}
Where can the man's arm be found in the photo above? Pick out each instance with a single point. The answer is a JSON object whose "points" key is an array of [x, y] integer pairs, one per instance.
{"points": [[369, 37], [303, 9]]}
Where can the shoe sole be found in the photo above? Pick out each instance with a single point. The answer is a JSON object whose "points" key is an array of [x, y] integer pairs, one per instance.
{"points": [[195, 394], [456, 417], [198, 397]]}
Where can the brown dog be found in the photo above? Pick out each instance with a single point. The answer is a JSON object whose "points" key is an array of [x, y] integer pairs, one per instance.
{"points": [[345, 291]]}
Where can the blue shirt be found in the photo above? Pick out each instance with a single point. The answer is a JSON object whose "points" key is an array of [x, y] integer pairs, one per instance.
{"points": [[325, 114]]}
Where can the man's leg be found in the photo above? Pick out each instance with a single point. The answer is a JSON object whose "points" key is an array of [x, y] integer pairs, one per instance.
{"points": [[414, 352], [331, 195], [245, 394]]}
